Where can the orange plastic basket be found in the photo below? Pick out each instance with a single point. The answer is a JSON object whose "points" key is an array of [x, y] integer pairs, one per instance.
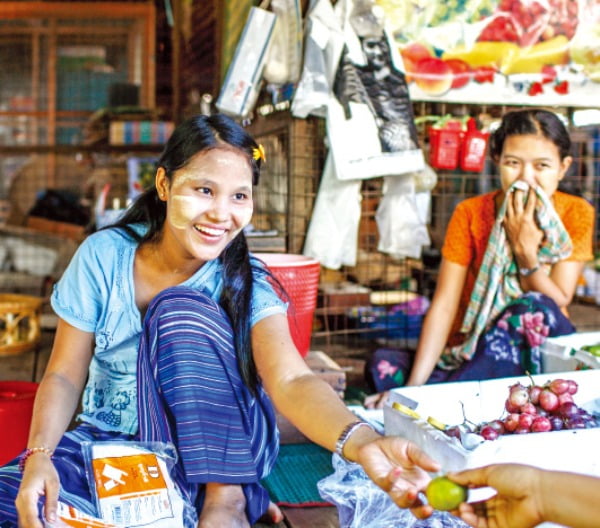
{"points": [[299, 275], [19, 323]]}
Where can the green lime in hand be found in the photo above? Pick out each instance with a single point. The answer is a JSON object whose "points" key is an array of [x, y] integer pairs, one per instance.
{"points": [[444, 494]]}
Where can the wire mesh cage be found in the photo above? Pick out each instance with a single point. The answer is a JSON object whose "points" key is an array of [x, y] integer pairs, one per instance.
{"points": [[358, 307]]}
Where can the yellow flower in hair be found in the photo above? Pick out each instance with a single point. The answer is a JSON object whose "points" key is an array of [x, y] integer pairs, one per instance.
{"points": [[258, 153]]}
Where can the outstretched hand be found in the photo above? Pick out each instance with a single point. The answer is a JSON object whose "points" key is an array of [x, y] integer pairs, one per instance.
{"points": [[401, 469], [377, 400], [517, 503]]}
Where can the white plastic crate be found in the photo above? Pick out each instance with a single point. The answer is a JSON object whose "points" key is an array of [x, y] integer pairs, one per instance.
{"points": [[567, 450], [564, 353]]}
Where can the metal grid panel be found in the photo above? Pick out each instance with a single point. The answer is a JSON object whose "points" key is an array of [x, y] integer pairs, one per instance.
{"points": [[345, 318]]}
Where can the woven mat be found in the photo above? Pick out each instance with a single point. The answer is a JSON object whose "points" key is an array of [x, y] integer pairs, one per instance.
{"points": [[293, 481]]}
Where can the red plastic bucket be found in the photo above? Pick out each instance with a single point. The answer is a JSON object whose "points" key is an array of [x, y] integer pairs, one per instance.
{"points": [[16, 407], [299, 275]]}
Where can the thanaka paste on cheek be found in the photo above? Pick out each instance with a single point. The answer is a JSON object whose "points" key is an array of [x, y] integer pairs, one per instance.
{"points": [[183, 210]]}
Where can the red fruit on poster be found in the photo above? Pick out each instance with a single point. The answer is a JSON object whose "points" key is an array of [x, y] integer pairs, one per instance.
{"points": [[461, 72], [562, 87], [548, 74], [433, 76], [564, 18], [502, 28], [535, 89], [413, 53], [484, 74]]}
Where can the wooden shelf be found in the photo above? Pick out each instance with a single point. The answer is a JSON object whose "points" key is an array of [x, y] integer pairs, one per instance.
{"points": [[73, 149]]}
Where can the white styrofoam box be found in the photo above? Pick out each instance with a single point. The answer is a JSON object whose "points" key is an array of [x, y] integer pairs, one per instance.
{"points": [[567, 450], [566, 351]]}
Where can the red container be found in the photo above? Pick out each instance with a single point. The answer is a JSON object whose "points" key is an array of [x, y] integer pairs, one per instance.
{"points": [[444, 148], [474, 148], [299, 275], [16, 407]]}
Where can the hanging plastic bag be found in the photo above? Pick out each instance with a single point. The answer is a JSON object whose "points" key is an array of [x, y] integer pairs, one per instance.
{"points": [[323, 45], [331, 236], [362, 504], [242, 83], [285, 53], [370, 122], [402, 235]]}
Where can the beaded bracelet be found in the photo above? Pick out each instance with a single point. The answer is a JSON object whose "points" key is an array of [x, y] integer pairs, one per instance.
{"points": [[32, 451], [346, 434]]}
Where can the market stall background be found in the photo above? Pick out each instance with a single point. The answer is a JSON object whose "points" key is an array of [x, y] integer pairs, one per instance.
{"points": [[42, 118]]}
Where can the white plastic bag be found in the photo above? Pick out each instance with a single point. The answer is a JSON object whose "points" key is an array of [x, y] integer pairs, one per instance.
{"points": [[285, 53], [323, 45], [401, 218], [370, 122], [331, 236]]}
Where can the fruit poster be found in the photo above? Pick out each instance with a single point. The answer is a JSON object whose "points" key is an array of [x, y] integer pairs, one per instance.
{"points": [[538, 52]]}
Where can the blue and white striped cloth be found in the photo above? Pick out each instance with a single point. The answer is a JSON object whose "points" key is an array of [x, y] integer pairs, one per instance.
{"points": [[191, 394]]}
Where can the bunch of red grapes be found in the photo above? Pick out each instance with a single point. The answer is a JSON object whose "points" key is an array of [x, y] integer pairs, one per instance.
{"points": [[539, 409]]}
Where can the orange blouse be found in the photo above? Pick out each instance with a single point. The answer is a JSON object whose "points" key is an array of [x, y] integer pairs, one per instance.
{"points": [[470, 227]]}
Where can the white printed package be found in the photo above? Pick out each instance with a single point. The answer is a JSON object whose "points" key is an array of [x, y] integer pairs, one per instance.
{"points": [[133, 487], [70, 517]]}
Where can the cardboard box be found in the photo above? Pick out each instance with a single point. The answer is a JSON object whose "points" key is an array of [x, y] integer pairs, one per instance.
{"points": [[567, 450], [565, 352], [72, 231], [344, 294]]}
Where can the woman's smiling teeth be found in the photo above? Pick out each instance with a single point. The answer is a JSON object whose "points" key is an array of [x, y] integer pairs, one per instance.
{"points": [[210, 231]]}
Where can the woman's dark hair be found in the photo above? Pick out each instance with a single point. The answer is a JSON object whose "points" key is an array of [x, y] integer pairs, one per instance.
{"points": [[531, 121], [195, 135]]}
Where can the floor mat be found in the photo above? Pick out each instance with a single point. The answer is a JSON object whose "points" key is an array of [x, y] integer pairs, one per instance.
{"points": [[293, 481]]}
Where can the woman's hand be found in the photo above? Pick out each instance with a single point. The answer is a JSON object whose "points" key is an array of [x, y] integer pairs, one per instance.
{"points": [[377, 400], [401, 469], [40, 479], [517, 503], [522, 231]]}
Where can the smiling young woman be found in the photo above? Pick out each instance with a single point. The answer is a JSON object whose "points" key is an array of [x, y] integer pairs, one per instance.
{"points": [[171, 331], [511, 260]]}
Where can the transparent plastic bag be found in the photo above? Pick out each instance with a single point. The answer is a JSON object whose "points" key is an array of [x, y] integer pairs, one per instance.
{"points": [[323, 45], [285, 53], [362, 504]]}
